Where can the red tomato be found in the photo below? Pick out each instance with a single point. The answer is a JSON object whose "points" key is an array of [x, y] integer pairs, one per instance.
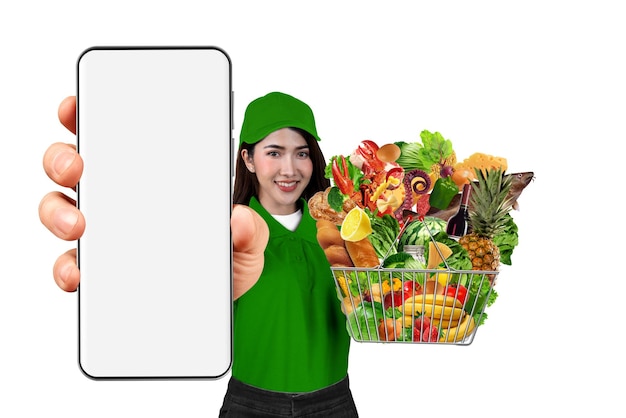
{"points": [[457, 291], [410, 288], [393, 299]]}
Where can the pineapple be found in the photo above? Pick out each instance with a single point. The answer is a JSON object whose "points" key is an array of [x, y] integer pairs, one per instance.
{"points": [[489, 205]]}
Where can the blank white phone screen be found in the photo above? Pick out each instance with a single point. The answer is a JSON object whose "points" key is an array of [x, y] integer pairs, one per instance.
{"points": [[154, 130]]}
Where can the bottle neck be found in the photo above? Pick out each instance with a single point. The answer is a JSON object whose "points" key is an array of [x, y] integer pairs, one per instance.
{"points": [[465, 194]]}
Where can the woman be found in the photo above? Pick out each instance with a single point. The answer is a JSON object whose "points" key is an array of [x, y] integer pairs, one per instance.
{"points": [[290, 341]]}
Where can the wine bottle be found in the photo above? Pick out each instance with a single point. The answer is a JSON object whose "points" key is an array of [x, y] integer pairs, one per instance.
{"points": [[458, 224]]}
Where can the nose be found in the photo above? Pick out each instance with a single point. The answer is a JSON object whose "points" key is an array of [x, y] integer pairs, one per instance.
{"points": [[288, 167]]}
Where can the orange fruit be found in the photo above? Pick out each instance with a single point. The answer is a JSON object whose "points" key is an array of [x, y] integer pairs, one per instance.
{"points": [[461, 176]]}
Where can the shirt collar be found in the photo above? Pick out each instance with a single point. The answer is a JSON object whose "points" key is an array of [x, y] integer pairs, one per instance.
{"points": [[305, 230]]}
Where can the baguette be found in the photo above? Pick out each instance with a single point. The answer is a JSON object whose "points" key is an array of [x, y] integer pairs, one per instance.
{"points": [[337, 256], [362, 253]]}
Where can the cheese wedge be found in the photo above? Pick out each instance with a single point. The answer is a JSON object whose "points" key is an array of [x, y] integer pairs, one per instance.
{"points": [[434, 259]]}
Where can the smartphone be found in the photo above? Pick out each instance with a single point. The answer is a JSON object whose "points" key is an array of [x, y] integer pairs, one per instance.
{"points": [[154, 129]]}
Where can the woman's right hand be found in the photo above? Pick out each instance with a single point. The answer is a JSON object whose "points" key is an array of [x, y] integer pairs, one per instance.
{"points": [[59, 214]]}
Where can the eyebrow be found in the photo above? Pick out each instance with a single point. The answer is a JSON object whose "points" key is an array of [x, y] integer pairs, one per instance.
{"points": [[279, 147]]}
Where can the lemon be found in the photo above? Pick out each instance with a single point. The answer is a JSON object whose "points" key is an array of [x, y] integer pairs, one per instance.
{"points": [[356, 225], [442, 276]]}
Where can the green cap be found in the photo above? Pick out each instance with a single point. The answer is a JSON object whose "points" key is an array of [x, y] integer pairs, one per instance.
{"points": [[272, 112]]}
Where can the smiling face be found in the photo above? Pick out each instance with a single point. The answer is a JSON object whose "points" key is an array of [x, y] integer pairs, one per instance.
{"points": [[283, 168]]}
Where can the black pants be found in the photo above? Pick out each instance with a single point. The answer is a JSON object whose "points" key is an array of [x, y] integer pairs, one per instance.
{"points": [[243, 400]]}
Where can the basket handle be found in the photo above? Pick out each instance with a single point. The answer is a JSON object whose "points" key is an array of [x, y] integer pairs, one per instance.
{"points": [[408, 220], [432, 238]]}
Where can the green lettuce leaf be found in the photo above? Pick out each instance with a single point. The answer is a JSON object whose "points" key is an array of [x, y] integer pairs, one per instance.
{"points": [[507, 240], [434, 150]]}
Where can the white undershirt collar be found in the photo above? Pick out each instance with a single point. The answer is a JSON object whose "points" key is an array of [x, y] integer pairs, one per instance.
{"points": [[290, 221]]}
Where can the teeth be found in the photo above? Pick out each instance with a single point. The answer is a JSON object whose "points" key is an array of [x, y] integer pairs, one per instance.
{"points": [[283, 184]]}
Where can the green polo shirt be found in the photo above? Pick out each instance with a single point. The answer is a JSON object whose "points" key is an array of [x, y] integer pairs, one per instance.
{"points": [[289, 332]]}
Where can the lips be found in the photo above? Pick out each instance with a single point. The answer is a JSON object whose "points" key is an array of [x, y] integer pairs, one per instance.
{"points": [[287, 186]]}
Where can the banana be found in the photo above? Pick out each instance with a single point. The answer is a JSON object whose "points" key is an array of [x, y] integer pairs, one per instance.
{"points": [[464, 329], [435, 312], [445, 324], [409, 320], [406, 321], [431, 299]]}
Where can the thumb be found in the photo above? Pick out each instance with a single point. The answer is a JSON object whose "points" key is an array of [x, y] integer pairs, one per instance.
{"points": [[250, 235], [249, 231]]}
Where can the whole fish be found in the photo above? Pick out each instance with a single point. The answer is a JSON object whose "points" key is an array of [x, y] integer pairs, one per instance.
{"points": [[519, 183]]}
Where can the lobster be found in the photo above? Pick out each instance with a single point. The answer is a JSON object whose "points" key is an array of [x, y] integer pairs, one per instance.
{"points": [[378, 177]]}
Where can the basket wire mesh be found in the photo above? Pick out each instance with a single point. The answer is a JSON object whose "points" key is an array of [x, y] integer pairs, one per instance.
{"points": [[414, 306]]}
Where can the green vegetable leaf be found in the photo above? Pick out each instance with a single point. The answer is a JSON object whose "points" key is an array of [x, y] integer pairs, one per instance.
{"points": [[336, 199], [394, 312], [354, 173], [435, 149], [409, 155], [413, 264], [507, 240], [362, 323], [459, 259], [385, 229], [480, 319], [406, 334], [480, 294], [362, 281], [419, 277], [396, 260]]}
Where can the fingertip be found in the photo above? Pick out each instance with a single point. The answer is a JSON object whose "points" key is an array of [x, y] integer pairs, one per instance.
{"points": [[63, 164], [67, 113], [66, 273]]}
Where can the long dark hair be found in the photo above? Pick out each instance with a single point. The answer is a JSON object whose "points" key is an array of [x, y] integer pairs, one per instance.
{"points": [[246, 184]]}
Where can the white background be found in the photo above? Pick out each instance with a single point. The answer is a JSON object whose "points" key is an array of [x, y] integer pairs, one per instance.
{"points": [[540, 83]]}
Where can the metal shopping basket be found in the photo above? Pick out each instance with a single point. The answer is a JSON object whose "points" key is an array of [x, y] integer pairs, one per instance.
{"points": [[413, 306]]}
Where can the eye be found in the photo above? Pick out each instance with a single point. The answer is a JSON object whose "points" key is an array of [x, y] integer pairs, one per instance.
{"points": [[273, 153], [303, 154]]}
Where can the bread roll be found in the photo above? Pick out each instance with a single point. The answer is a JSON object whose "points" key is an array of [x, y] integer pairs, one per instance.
{"points": [[329, 235], [330, 240], [325, 223], [337, 256], [362, 253], [320, 209]]}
